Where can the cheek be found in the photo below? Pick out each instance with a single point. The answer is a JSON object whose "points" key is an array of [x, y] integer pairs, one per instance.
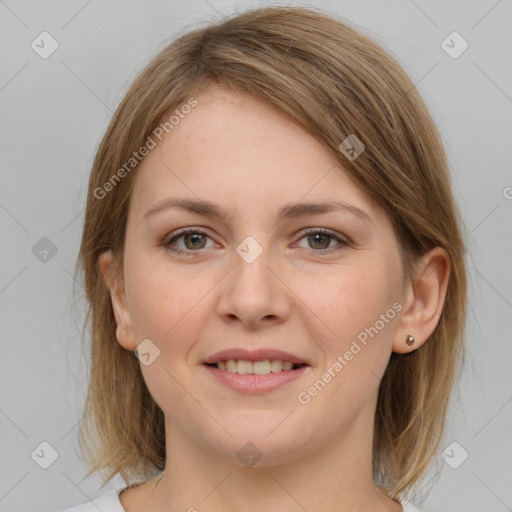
{"points": [[356, 304], [351, 299], [164, 301]]}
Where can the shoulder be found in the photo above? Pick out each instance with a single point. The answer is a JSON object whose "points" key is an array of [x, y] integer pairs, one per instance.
{"points": [[409, 507], [106, 502]]}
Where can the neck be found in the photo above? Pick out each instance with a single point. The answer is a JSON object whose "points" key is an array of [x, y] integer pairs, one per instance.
{"points": [[331, 475]]}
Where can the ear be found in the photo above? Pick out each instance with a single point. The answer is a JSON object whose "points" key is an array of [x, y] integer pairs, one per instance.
{"points": [[124, 332], [423, 300]]}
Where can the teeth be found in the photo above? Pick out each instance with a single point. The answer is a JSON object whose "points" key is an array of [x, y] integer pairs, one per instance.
{"points": [[244, 367], [257, 368]]}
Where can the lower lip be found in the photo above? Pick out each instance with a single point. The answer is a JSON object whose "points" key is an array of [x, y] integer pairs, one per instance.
{"points": [[249, 383]]}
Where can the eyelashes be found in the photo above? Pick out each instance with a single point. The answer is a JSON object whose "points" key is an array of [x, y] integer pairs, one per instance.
{"points": [[197, 236]]}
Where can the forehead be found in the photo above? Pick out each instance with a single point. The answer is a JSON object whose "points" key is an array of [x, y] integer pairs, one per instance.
{"points": [[233, 148]]}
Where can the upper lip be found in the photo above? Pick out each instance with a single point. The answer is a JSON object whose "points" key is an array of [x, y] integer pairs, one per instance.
{"points": [[254, 355]]}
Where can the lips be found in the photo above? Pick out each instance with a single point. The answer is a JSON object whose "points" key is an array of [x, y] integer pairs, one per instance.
{"points": [[254, 355]]}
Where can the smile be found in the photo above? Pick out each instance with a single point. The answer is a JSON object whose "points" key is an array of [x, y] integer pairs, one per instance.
{"points": [[255, 377], [263, 367]]}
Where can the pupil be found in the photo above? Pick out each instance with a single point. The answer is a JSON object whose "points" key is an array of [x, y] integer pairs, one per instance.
{"points": [[195, 237], [320, 235]]}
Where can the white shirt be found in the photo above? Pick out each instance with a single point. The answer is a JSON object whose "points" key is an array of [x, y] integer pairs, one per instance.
{"points": [[109, 502]]}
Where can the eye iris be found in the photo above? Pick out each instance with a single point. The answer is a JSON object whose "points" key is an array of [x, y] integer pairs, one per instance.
{"points": [[321, 235], [194, 236]]}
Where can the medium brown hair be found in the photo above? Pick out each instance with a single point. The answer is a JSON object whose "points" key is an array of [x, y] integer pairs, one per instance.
{"points": [[333, 81]]}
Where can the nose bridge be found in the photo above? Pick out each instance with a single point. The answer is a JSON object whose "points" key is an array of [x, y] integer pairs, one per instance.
{"points": [[251, 273], [252, 291]]}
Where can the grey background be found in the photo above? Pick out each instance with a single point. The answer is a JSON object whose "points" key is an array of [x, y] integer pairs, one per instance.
{"points": [[53, 114]]}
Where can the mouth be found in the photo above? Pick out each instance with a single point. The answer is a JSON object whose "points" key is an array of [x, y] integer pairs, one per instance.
{"points": [[267, 360], [255, 372], [254, 383], [263, 367]]}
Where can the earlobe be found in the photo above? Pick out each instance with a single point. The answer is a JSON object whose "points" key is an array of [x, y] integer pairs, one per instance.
{"points": [[124, 330], [424, 301]]}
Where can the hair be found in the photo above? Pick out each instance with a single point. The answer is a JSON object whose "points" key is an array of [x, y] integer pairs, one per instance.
{"points": [[333, 81]]}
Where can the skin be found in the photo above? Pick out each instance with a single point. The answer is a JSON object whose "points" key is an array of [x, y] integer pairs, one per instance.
{"points": [[250, 160]]}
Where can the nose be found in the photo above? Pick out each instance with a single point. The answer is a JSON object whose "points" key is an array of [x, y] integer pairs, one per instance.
{"points": [[254, 292]]}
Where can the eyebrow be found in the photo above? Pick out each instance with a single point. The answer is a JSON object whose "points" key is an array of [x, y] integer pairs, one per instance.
{"points": [[292, 210]]}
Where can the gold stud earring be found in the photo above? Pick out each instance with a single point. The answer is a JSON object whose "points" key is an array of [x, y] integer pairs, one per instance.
{"points": [[410, 340]]}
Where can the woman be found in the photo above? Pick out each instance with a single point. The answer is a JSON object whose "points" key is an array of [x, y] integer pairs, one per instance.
{"points": [[270, 230]]}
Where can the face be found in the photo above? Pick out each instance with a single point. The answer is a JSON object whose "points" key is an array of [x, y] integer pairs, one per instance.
{"points": [[324, 286]]}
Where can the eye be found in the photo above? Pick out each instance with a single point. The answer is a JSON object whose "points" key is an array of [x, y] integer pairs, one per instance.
{"points": [[321, 239], [193, 239]]}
